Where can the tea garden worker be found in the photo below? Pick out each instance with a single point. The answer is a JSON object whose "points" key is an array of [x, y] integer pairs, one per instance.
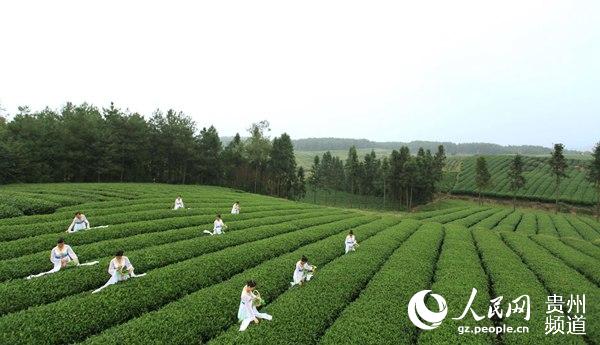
{"points": [[120, 269], [178, 203], [247, 312], [350, 242], [235, 209], [60, 256], [303, 271], [80, 222], [218, 227]]}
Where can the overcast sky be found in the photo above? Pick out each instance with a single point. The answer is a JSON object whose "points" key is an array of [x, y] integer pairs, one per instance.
{"points": [[508, 72]]}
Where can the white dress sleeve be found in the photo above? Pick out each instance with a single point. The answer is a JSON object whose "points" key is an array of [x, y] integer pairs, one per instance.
{"points": [[72, 254], [127, 264], [87, 223], [248, 305], [53, 256], [111, 267], [72, 225]]}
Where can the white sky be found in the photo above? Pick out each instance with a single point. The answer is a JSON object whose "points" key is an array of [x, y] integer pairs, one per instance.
{"points": [[509, 72]]}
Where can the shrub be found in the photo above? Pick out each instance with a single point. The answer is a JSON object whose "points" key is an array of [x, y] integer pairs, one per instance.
{"points": [[191, 320]]}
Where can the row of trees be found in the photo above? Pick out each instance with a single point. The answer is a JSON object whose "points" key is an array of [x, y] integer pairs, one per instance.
{"points": [[82, 143], [322, 144], [558, 166], [400, 177]]}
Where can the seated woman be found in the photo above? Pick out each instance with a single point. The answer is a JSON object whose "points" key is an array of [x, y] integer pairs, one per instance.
{"points": [[120, 269], [80, 222], [60, 256], [178, 203], [351, 243], [236, 208], [303, 272], [247, 311], [218, 227]]}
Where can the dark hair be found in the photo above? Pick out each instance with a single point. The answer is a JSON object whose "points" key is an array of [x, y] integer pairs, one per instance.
{"points": [[119, 253], [251, 283], [304, 259], [77, 213], [237, 202], [218, 216], [350, 233], [60, 240]]}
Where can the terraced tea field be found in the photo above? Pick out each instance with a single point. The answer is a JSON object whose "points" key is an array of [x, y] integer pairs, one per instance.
{"points": [[191, 292], [575, 189]]}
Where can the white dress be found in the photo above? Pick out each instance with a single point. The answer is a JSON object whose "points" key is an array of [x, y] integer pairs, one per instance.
{"points": [[218, 227], [302, 273], [178, 204], [247, 311], [235, 209], [79, 224], [350, 243], [114, 269], [57, 256]]}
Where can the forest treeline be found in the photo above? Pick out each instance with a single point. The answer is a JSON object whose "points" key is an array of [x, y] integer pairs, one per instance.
{"points": [[326, 144], [401, 177], [83, 143]]}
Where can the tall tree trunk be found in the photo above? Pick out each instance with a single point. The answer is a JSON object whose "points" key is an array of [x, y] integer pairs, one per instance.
{"points": [[410, 200], [557, 193], [255, 179], [514, 201], [384, 194]]}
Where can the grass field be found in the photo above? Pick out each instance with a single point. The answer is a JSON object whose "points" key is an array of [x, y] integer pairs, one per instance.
{"points": [[192, 289]]}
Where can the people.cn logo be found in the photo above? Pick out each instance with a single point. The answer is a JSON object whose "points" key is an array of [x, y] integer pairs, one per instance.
{"points": [[421, 316]]}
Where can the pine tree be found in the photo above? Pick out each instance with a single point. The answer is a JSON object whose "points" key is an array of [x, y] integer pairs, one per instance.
{"points": [[258, 147], [352, 170], [594, 176], [516, 178], [282, 165], [384, 177], [482, 176], [209, 156], [439, 161], [558, 165], [315, 177], [299, 190], [411, 179]]}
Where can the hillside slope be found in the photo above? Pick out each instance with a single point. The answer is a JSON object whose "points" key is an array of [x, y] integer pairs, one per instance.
{"points": [[575, 189]]}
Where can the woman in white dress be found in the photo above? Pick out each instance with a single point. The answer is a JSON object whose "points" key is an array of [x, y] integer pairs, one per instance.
{"points": [[178, 203], [120, 269], [351, 243], [303, 271], [247, 312], [60, 256], [218, 227], [80, 222], [235, 209]]}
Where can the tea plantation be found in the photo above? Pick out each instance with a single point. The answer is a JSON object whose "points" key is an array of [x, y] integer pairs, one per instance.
{"points": [[540, 184], [191, 292]]}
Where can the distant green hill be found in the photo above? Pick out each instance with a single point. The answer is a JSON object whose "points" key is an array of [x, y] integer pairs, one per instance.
{"points": [[331, 144]]}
